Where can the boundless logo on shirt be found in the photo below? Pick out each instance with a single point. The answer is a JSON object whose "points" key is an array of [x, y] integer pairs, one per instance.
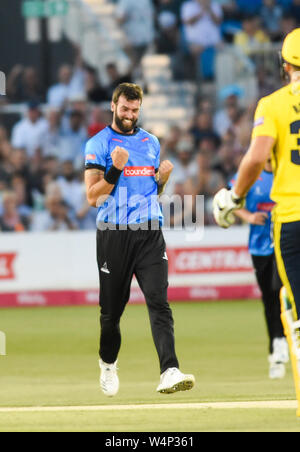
{"points": [[130, 171], [134, 199]]}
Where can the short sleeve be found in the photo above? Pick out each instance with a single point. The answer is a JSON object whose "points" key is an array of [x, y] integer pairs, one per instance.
{"points": [[95, 154], [264, 123], [157, 149], [232, 181]]}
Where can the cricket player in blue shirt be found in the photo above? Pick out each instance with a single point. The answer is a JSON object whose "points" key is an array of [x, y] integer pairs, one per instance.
{"points": [[123, 179], [257, 213]]}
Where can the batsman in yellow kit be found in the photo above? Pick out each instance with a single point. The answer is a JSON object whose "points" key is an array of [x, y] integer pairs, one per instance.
{"points": [[276, 133]]}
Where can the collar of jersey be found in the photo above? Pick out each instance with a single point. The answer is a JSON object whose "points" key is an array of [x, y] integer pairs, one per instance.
{"points": [[136, 131]]}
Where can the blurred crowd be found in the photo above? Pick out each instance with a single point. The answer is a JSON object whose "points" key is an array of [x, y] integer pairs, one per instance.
{"points": [[41, 157], [191, 31]]}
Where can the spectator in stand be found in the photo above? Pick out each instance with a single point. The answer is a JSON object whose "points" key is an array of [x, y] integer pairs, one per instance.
{"points": [[168, 42], [95, 92], [70, 187], [231, 19], [20, 174], [202, 33], [97, 122], [205, 105], [3, 134], [115, 78], [249, 7], [288, 24], [225, 162], [79, 103], [169, 143], [183, 216], [23, 85], [184, 163], [23, 195], [4, 186], [58, 94], [84, 215], [294, 10], [47, 173], [172, 6], [56, 217], [19, 163], [229, 96], [11, 220], [285, 4], [5, 153], [251, 37], [29, 132], [71, 81], [265, 81], [229, 7], [271, 15], [52, 137], [51, 166], [203, 129], [209, 181], [137, 21], [242, 124], [74, 139]]}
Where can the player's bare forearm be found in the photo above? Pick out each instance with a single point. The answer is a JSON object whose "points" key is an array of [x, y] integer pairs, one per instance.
{"points": [[98, 186], [253, 164], [249, 172], [243, 214], [97, 189], [161, 183], [257, 218]]}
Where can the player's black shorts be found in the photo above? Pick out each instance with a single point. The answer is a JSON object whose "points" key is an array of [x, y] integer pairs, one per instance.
{"points": [[124, 253]]}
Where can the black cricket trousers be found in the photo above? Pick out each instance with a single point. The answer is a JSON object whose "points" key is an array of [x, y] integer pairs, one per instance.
{"points": [[120, 255], [269, 282], [287, 248]]}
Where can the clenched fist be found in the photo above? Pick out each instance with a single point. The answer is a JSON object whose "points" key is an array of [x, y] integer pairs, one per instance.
{"points": [[119, 157], [165, 170]]}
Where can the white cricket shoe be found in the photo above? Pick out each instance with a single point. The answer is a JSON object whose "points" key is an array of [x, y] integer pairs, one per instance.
{"points": [[281, 350], [172, 380], [276, 370], [109, 380], [279, 358]]}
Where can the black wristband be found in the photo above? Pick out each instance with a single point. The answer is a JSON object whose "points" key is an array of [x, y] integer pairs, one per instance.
{"points": [[113, 175]]}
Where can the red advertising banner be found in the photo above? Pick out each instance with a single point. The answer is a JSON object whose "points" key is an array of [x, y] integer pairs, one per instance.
{"points": [[217, 267], [6, 266], [209, 260]]}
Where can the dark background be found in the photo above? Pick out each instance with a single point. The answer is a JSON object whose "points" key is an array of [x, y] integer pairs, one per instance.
{"points": [[15, 50]]}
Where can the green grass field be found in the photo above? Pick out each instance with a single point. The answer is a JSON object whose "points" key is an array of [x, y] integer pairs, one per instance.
{"points": [[52, 361]]}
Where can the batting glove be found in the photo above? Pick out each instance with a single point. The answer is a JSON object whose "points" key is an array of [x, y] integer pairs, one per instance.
{"points": [[224, 204]]}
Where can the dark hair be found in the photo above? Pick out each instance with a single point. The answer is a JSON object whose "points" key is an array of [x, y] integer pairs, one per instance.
{"points": [[129, 90], [111, 66], [249, 17], [76, 114]]}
